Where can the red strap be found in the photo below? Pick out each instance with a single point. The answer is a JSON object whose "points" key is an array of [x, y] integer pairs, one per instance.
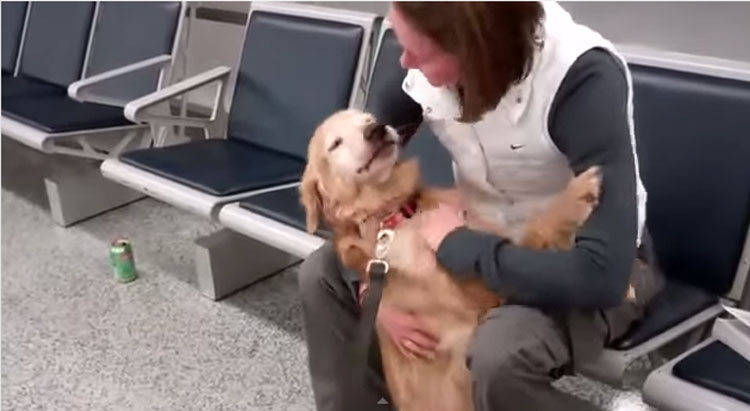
{"points": [[406, 211], [393, 220], [409, 209]]}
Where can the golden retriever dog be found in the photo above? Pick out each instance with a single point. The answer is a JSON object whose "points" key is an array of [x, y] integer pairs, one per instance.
{"points": [[355, 179]]}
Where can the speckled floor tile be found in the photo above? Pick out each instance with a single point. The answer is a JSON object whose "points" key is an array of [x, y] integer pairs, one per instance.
{"points": [[75, 339], [602, 395]]}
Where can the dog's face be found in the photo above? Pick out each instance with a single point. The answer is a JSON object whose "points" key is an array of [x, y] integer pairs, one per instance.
{"points": [[356, 147], [348, 151]]}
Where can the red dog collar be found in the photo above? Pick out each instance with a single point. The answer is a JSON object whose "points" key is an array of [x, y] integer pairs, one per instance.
{"points": [[405, 212]]}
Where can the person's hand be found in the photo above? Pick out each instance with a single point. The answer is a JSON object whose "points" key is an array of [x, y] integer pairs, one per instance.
{"points": [[437, 223], [362, 293], [407, 333]]}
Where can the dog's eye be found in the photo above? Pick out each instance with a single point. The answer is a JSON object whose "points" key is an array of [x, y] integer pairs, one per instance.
{"points": [[336, 144]]}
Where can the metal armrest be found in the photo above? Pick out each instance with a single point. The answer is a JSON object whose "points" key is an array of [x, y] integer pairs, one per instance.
{"points": [[612, 366], [83, 90], [138, 109]]}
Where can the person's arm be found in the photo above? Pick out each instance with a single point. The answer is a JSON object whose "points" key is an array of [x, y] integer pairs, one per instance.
{"points": [[589, 124]]}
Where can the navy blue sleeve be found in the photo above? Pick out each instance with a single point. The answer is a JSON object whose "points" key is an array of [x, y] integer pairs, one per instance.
{"points": [[589, 124]]}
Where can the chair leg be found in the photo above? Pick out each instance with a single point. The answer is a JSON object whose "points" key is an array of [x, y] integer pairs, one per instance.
{"points": [[227, 262], [78, 196]]}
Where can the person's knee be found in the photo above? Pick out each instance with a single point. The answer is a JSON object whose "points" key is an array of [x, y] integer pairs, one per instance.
{"points": [[513, 343], [491, 365]]}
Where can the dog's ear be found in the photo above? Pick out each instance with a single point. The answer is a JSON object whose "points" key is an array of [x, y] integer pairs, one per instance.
{"points": [[310, 198]]}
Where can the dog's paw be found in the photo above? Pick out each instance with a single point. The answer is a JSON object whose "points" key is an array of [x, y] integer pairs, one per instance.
{"points": [[584, 192], [586, 187]]}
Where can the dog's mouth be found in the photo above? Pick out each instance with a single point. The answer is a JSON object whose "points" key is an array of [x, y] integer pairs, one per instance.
{"points": [[383, 150]]}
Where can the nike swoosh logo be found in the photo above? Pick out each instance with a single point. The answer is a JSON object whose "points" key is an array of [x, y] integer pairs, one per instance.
{"points": [[515, 146]]}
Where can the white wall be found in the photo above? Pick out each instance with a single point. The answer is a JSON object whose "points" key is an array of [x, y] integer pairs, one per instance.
{"points": [[211, 44], [714, 29], [379, 7], [702, 29]]}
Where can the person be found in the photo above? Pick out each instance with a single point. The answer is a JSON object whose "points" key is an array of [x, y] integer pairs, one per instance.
{"points": [[523, 98]]}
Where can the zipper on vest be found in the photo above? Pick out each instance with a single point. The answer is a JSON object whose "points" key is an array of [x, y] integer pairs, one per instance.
{"points": [[502, 192]]}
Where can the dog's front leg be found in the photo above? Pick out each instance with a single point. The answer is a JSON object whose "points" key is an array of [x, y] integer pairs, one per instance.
{"points": [[556, 227], [353, 252]]}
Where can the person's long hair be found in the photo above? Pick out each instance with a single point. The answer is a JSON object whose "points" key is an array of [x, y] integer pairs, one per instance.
{"points": [[494, 42]]}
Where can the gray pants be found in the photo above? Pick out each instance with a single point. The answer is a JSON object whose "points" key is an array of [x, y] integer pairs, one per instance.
{"points": [[517, 352]]}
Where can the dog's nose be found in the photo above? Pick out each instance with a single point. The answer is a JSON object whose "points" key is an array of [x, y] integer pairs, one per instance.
{"points": [[374, 132]]}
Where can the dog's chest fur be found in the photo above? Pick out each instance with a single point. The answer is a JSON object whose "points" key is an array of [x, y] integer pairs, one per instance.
{"points": [[417, 284]]}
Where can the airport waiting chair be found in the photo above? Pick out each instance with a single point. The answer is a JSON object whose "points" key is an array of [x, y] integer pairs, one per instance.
{"points": [[79, 64], [713, 376], [277, 219], [299, 64], [13, 21], [693, 145]]}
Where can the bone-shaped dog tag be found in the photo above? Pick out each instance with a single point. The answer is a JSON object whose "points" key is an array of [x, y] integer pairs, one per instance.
{"points": [[385, 238]]}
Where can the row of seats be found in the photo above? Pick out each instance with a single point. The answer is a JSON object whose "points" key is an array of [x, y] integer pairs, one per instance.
{"points": [[68, 68], [300, 63]]}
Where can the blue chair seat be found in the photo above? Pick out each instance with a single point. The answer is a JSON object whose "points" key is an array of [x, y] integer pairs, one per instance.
{"points": [[674, 304], [718, 368], [219, 167], [26, 86], [59, 113], [283, 206]]}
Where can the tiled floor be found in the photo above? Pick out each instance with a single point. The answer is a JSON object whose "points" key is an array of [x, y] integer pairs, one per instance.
{"points": [[75, 339]]}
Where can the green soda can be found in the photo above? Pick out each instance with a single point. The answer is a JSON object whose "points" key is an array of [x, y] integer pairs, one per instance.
{"points": [[121, 258]]}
